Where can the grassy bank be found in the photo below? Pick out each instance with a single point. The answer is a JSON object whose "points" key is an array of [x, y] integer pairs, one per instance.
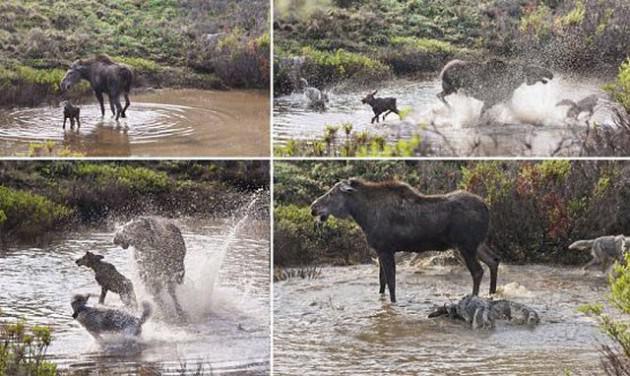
{"points": [[342, 141], [412, 37], [537, 208], [39, 198], [167, 43]]}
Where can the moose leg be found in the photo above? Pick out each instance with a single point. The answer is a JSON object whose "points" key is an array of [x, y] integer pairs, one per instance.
{"points": [[171, 292], [101, 299], [99, 97], [127, 103], [386, 259], [64, 122], [381, 278], [488, 258], [387, 113], [442, 96], [473, 265], [374, 118], [118, 106], [78, 123], [395, 110], [112, 106]]}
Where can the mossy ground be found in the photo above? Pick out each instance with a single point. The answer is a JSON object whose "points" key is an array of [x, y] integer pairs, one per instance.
{"points": [[166, 42]]}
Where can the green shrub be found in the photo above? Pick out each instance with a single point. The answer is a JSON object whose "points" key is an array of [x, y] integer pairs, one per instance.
{"points": [[23, 351], [139, 179], [299, 241], [25, 213], [139, 64], [425, 45], [620, 90]]}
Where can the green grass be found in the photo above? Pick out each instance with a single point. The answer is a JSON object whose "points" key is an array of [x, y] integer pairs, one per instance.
{"points": [[425, 45], [139, 179], [620, 89]]}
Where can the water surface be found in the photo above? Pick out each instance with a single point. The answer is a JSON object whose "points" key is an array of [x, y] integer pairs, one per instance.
{"points": [[529, 125], [228, 302], [159, 123], [338, 324]]}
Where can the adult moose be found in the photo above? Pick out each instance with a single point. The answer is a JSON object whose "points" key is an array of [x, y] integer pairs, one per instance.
{"points": [[395, 217], [159, 252], [491, 82], [106, 77]]}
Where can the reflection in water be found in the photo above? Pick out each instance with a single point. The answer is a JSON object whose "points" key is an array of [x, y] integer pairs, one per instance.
{"points": [[229, 326], [159, 123], [530, 124], [338, 324]]}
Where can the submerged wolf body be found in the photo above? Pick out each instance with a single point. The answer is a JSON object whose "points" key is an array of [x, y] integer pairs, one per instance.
{"points": [[159, 252], [395, 217], [101, 320], [482, 313], [491, 82], [605, 250]]}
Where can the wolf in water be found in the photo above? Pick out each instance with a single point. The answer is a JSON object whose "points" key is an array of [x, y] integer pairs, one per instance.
{"points": [[101, 320], [482, 313]]}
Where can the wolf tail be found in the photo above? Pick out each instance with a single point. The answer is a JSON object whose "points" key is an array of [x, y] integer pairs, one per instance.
{"points": [[566, 102], [146, 312], [581, 245]]}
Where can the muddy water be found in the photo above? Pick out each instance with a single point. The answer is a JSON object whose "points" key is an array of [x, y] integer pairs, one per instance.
{"points": [[337, 324], [529, 125], [160, 123], [229, 326]]}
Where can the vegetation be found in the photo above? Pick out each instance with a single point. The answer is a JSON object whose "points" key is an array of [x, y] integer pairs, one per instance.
{"points": [[620, 89], [167, 42], [410, 37], [39, 198], [353, 144], [23, 350], [616, 358], [537, 207]]}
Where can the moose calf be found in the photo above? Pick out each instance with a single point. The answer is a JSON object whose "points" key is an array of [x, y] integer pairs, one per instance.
{"points": [[380, 105], [71, 112], [109, 279]]}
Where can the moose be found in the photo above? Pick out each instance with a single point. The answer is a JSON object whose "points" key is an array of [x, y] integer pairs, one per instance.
{"points": [[106, 77], [380, 105], [395, 217], [491, 82]]}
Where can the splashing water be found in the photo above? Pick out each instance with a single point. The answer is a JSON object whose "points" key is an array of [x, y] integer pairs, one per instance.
{"points": [[198, 291]]}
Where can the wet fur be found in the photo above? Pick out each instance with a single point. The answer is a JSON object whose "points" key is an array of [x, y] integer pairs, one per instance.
{"points": [[380, 105], [159, 252], [100, 320], [482, 313], [491, 82], [587, 104], [109, 279], [73, 113], [106, 77], [395, 217]]}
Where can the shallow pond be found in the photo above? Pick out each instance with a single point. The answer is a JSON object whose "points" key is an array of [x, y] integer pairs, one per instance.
{"points": [[338, 324], [529, 125], [159, 123], [225, 294]]}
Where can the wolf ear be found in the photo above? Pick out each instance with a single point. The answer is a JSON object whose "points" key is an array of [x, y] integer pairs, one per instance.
{"points": [[100, 257], [375, 91]]}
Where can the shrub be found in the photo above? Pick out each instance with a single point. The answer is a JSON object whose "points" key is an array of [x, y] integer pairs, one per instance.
{"points": [[298, 241], [26, 214], [620, 90], [139, 179], [23, 351]]}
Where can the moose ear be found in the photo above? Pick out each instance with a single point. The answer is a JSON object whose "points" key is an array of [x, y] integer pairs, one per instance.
{"points": [[346, 186], [375, 91]]}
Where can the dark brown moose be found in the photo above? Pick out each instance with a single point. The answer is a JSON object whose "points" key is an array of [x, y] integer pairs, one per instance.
{"points": [[106, 77], [395, 217], [491, 82]]}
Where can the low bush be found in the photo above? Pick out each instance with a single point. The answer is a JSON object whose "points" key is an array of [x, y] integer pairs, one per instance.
{"points": [[24, 214], [23, 350]]}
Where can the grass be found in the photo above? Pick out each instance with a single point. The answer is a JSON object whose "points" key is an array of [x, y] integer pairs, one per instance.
{"points": [[39, 38], [342, 141]]}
